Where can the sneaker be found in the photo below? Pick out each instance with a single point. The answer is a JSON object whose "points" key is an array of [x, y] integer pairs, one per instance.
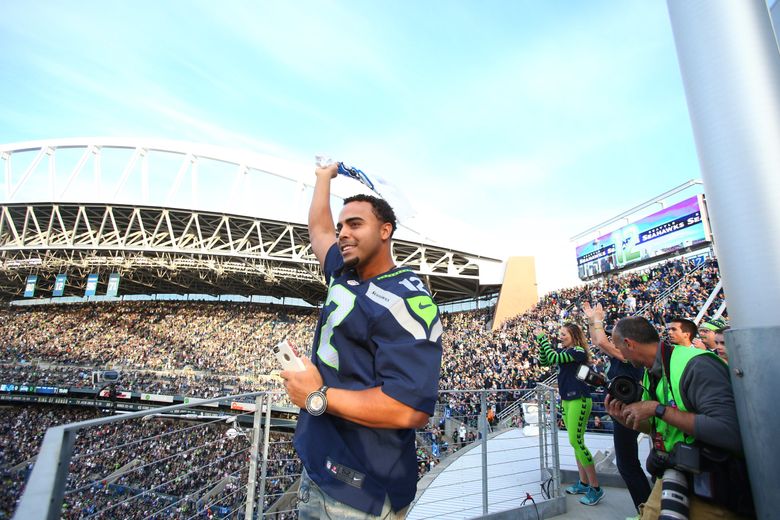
{"points": [[577, 489], [592, 497]]}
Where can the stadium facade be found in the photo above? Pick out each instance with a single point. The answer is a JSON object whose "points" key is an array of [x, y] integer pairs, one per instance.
{"points": [[78, 215]]}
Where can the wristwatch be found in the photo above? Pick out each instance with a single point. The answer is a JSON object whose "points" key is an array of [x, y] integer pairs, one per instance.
{"points": [[317, 401], [660, 410]]}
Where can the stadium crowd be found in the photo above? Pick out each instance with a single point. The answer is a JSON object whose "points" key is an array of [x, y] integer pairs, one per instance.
{"points": [[220, 338], [175, 463], [210, 349]]}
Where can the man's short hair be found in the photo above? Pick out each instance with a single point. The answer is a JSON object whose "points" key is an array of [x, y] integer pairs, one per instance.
{"points": [[382, 210], [687, 325], [636, 329]]}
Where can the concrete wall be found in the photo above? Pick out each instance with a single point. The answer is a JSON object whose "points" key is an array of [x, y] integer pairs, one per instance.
{"points": [[518, 291]]}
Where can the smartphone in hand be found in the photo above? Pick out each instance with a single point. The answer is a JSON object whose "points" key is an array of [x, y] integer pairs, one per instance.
{"points": [[287, 356]]}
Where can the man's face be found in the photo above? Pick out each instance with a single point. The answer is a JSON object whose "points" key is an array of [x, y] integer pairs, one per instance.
{"points": [[720, 345], [360, 233], [629, 354], [676, 335], [707, 337]]}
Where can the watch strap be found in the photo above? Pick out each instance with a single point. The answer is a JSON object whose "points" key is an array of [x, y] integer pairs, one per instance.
{"points": [[321, 393]]}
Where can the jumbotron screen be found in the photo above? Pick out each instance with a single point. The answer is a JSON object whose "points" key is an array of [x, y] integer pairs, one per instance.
{"points": [[671, 229]]}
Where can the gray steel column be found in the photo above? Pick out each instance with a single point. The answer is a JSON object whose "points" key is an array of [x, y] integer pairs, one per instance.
{"points": [[264, 468], [253, 452], [556, 459], [542, 423], [730, 68], [45, 489], [482, 424]]}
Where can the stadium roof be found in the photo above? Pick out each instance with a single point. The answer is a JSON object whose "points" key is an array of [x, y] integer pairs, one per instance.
{"points": [[166, 250], [183, 218]]}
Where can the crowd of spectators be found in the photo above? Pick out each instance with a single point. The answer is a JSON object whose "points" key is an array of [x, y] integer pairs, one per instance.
{"points": [[475, 356], [156, 464], [220, 338], [212, 349]]}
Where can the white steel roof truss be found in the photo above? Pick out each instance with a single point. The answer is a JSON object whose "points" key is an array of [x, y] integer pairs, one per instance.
{"points": [[128, 227], [25, 225], [127, 171], [58, 236], [270, 249], [447, 258], [187, 161], [52, 172], [408, 259], [228, 229], [7, 160], [106, 237], [9, 222], [76, 169], [87, 236], [199, 243], [174, 243], [186, 236], [42, 236], [33, 165], [216, 237]]}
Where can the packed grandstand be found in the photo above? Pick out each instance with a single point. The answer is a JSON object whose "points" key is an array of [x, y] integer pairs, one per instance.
{"points": [[203, 350]]}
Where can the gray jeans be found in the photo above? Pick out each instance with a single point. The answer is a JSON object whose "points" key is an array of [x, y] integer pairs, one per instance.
{"points": [[313, 504]]}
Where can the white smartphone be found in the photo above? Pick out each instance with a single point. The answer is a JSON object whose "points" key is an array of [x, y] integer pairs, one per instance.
{"points": [[287, 357]]}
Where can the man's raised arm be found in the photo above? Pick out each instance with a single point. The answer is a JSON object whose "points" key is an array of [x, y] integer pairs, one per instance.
{"points": [[322, 232]]}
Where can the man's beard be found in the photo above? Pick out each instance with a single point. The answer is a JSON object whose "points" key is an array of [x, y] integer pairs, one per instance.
{"points": [[349, 264]]}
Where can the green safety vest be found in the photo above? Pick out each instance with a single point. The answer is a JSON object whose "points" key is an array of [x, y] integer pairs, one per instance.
{"points": [[667, 392]]}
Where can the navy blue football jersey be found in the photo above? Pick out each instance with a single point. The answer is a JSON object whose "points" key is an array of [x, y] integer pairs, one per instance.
{"points": [[384, 331], [568, 385]]}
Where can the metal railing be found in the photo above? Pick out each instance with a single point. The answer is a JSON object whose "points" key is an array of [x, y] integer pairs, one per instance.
{"points": [[178, 462], [669, 291], [511, 412], [491, 469]]}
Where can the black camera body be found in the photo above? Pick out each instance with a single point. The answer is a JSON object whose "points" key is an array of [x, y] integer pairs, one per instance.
{"points": [[677, 469], [683, 457], [622, 388]]}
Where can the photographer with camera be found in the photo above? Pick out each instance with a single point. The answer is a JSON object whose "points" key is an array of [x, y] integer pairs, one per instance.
{"points": [[576, 402], [625, 439], [688, 409]]}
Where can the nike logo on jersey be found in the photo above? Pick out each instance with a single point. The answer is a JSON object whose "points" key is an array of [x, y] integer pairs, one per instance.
{"points": [[423, 307]]}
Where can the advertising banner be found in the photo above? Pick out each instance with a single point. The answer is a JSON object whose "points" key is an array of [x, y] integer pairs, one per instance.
{"points": [[59, 285], [92, 281], [671, 229], [113, 285], [119, 394], [195, 400], [29, 287], [157, 398]]}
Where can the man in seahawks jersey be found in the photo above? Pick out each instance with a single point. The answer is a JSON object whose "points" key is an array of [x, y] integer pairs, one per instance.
{"points": [[374, 373]]}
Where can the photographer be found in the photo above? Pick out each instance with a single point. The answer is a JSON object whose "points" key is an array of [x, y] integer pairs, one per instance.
{"points": [[626, 449], [689, 411]]}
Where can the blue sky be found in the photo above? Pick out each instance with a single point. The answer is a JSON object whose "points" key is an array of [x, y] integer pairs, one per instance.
{"points": [[509, 126]]}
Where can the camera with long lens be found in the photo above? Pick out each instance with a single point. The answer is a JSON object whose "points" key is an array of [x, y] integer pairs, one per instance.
{"points": [[674, 468], [622, 388]]}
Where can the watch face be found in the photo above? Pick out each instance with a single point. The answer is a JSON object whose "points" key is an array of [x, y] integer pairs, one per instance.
{"points": [[316, 402]]}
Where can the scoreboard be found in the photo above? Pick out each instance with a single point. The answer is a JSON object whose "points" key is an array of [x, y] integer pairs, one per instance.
{"points": [[660, 234]]}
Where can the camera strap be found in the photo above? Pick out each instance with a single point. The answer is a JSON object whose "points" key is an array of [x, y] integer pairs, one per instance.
{"points": [[666, 362]]}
